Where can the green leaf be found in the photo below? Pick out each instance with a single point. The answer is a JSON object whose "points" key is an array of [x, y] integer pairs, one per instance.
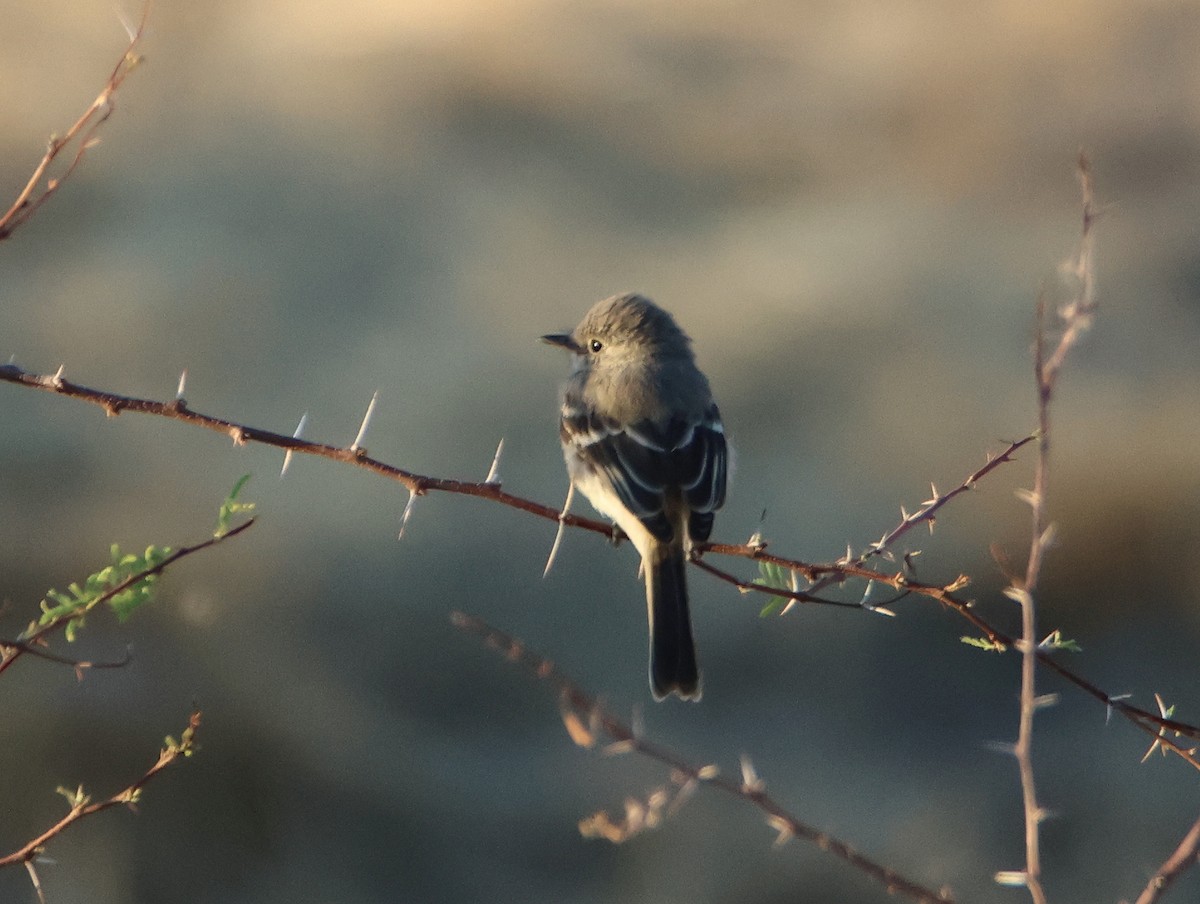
{"points": [[777, 578], [76, 798], [231, 507], [58, 606], [1055, 641], [984, 644]]}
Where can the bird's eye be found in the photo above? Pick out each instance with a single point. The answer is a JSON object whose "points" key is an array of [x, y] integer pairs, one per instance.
{"points": [[595, 345]]}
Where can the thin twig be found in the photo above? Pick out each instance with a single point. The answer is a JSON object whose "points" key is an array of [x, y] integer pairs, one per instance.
{"points": [[14, 651], [586, 718], [39, 188], [1075, 317], [82, 807], [1183, 858], [80, 665], [927, 513]]}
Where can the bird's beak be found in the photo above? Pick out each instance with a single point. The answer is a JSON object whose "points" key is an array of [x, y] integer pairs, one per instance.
{"points": [[562, 340]]}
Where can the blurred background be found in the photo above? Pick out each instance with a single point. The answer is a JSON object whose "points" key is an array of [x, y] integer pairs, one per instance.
{"points": [[850, 207]]}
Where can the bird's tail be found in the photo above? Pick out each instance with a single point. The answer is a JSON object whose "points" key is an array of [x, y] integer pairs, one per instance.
{"points": [[672, 651]]}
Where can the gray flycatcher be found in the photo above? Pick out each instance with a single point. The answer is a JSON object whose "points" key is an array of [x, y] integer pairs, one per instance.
{"points": [[643, 441]]}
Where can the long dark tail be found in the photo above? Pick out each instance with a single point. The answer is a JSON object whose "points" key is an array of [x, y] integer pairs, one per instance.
{"points": [[672, 651]]}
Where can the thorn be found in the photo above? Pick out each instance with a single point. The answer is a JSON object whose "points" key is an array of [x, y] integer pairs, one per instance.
{"points": [[616, 748], [493, 474], [366, 422], [1018, 595], [750, 780], [1117, 698], [1156, 745], [1045, 701], [130, 29], [287, 456], [707, 773], [1046, 540], [1001, 747], [686, 789], [562, 524], [575, 728], [408, 509], [903, 514], [783, 829], [1013, 878], [1163, 710], [57, 379], [1029, 497], [182, 385]]}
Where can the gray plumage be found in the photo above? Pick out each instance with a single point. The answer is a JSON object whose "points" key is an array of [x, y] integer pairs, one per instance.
{"points": [[643, 440]]}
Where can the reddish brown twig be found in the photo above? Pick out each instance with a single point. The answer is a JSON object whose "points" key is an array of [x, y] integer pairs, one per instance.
{"points": [[82, 806], [588, 721], [418, 484], [1183, 858], [81, 135]]}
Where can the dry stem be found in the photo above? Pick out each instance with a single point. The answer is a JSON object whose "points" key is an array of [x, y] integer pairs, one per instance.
{"points": [[586, 719], [82, 135], [1185, 856], [1075, 317]]}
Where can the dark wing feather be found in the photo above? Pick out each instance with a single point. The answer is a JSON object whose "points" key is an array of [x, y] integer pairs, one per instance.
{"points": [[649, 461]]}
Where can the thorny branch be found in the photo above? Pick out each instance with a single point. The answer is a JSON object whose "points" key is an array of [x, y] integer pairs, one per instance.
{"points": [[588, 722], [1075, 317], [418, 484], [82, 135]]}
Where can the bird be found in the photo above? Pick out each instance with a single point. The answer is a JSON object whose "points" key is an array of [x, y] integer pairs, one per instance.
{"points": [[643, 441]]}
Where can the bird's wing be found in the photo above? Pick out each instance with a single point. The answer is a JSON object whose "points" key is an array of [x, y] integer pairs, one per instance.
{"points": [[645, 462]]}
